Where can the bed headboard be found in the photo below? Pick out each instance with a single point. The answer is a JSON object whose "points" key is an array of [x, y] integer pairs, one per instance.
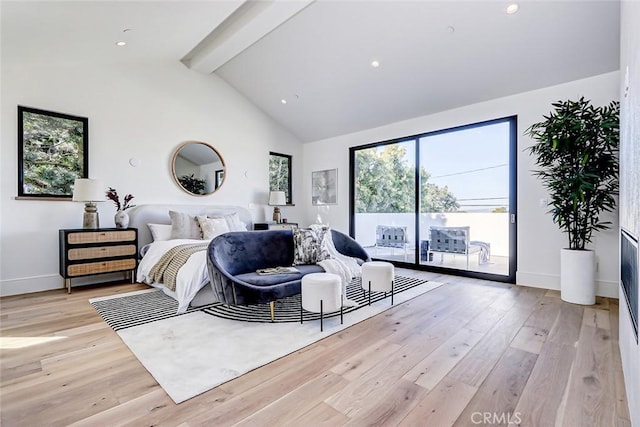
{"points": [[141, 215]]}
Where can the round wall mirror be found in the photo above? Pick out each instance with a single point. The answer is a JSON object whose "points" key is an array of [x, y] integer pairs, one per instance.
{"points": [[198, 168]]}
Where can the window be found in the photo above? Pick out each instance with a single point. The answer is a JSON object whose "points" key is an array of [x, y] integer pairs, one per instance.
{"points": [[442, 200], [280, 174]]}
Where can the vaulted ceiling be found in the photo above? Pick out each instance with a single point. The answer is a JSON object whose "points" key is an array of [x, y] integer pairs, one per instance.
{"points": [[308, 64]]}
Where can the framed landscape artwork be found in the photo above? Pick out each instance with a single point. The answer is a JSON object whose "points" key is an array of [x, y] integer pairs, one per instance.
{"points": [[52, 153], [324, 187]]}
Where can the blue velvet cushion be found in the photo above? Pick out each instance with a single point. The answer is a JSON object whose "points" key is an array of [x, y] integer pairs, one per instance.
{"points": [[273, 279]]}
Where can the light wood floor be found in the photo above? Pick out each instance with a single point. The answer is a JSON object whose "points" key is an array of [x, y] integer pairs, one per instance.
{"points": [[468, 353]]}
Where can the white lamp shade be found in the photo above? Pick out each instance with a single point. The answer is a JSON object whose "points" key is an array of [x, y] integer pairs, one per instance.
{"points": [[277, 198], [88, 190]]}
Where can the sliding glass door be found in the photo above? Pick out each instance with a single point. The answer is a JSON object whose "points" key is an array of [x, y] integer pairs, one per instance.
{"points": [[442, 200], [385, 200]]}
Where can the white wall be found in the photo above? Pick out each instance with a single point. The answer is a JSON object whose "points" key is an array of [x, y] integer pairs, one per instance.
{"points": [[630, 186], [539, 240], [135, 110]]}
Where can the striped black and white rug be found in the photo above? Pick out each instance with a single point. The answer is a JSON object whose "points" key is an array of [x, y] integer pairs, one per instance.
{"points": [[143, 307], [288, 309]]}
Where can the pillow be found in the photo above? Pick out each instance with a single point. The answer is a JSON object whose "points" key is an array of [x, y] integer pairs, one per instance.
{"points": [[212, 227], [233, 222], [184, 226], [308, 247], [160, 231]]}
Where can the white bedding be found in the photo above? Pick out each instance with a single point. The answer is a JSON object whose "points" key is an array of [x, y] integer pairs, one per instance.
{"points": [[192, 277]]}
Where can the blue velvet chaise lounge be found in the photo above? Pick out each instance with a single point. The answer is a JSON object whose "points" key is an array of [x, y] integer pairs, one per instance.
{"points": [[233, 259]]}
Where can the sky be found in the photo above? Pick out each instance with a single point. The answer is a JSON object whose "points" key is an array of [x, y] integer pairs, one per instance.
{"points": [[472, 162]]}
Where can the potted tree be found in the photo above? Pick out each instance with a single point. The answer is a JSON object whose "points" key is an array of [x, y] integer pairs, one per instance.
{"points": [[576, 152]]}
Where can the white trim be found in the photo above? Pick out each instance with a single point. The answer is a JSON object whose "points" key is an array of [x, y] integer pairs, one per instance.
{"points": [[27, 285], [604, 288]]}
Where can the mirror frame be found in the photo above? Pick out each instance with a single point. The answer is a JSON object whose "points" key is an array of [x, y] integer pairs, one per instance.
{"points": [[216, 173]]}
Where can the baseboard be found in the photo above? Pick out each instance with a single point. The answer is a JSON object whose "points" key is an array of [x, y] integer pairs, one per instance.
{"points": [[604, 288], [27, 285]]}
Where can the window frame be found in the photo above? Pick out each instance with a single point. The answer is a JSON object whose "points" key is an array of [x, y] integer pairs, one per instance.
{"points": [[289, 186], [510, 277]]}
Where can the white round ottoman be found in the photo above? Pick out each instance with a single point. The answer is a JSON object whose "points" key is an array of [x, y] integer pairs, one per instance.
{"points": [[377, 276], [321, 293]]}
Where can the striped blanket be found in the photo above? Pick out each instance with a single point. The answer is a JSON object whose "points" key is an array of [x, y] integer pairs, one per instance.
{"points": [[165, 271]]}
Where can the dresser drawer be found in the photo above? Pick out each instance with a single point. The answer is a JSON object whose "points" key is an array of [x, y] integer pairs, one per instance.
{"points": [[100, 267], [101, 237], [101, 252]]}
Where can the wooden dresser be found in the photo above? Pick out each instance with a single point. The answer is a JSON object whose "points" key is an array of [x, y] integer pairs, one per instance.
{"points": [[87, 252]]}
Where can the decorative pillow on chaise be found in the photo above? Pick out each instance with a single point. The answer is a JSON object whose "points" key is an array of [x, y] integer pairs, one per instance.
{"points": [[308, 245]]}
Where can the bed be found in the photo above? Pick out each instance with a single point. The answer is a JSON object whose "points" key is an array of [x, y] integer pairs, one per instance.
{"points": [[192, 280]]}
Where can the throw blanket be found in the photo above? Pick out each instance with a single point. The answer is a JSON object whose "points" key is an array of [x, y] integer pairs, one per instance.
{"points": [[344, 266], [485, 250], [166, 269]]}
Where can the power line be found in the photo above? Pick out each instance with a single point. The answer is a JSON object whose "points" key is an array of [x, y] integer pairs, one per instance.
{"points": [[483, 198], [469, 171]]}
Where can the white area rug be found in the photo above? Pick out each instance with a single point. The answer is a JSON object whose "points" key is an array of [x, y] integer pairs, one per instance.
{"points": [[195, 352]]}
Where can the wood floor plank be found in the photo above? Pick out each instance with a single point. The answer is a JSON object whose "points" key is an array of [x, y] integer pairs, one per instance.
{"points": [[566, 328], [549, 379], [290, 406], [442, 406], [433, 368], [591, 387], [392, 407], [354, 398], [355, 366], [68, 367], [321, 415], [622, 405], [477, 365], [529, 339], [499, 393]]}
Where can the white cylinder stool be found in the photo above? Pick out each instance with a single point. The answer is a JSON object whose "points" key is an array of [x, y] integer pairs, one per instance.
{"points": [[377, 276], [321, 292]]}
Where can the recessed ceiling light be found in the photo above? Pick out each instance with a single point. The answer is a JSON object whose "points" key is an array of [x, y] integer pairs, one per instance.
{"points": [[284, 101], [512, 8], [121, 43], [375, 64], [451, 29]]}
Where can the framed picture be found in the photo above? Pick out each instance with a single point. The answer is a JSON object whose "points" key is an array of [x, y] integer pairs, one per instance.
{"points": [[324, 187], [52, 153]]}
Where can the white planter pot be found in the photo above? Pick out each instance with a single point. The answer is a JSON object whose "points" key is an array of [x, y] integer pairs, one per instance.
{"points": [[578, 276]]}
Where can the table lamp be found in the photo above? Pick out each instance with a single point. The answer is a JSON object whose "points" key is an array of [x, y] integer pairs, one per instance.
{"points": [[277, 198], [89, 191]]}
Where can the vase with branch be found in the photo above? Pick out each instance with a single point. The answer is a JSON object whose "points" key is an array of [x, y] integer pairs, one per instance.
{"points": [[121, 218]]}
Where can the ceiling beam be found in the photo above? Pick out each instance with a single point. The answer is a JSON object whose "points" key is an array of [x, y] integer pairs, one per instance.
{"points": [[251, 21]]}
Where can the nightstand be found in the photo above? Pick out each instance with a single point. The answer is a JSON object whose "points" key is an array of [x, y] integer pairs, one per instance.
{"points": [[87, 252], [271, 225]]}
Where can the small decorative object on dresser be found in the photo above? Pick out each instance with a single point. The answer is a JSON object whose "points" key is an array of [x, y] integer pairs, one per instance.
{"points": [[89, 252], [121, 218]]}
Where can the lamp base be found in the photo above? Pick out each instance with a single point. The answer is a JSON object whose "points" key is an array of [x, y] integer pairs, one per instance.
{"points": [[276, 214], [90, 219]]}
